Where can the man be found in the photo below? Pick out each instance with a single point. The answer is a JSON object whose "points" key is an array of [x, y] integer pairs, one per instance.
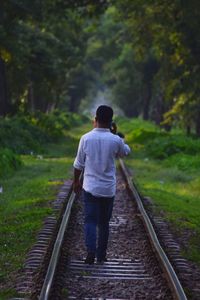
{"points": [[96, 156]]}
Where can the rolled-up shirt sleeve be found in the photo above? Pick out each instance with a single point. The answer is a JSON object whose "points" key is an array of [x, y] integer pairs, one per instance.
{"points": [[79, 162], [124, 149]]}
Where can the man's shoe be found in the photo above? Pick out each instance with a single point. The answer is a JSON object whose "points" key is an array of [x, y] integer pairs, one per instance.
{"points": [[90, 258], [101, 260]]}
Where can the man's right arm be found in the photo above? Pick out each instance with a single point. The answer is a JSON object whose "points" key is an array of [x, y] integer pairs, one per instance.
{"points": [[124, 149]]}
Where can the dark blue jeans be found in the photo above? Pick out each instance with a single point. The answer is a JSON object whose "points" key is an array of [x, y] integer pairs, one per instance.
{"points": [[98, 211]]}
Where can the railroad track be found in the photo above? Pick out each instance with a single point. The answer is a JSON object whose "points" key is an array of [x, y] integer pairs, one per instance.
{"points": [[137, 267]]}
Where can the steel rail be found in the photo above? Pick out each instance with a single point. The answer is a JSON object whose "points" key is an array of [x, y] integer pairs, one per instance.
{"points": [[46, 288], [171, 275]]}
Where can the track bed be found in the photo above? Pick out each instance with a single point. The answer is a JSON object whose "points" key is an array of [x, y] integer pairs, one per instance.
{"points": [[132, 270]]}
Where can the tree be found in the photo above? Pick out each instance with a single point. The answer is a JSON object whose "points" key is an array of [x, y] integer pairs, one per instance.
{"points": [[42, 53], [168, 31], [4, 105]]}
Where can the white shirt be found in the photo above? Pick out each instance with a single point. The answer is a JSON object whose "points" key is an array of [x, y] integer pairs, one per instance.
{"points": [[96, 155]]}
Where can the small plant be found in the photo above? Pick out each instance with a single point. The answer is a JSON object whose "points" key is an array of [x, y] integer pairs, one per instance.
{"points": [[9, 162], [64, 292]]}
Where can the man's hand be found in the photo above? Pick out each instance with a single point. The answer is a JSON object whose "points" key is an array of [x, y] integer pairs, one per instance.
{"points": [[77, 184], [113, 128], [77, 187]]}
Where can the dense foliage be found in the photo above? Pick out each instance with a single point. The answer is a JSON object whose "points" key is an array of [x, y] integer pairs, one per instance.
{"points": [[160, 145], [58, 54], [42, 47], [31, 134], [169, 149], [166, 169], [147, 52]]}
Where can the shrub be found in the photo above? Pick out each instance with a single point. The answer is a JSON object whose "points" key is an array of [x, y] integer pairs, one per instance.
{"points": [[52, 125], [163, 147], [77, 120], [55, 123], [142, 136], [9, 162], [184, 161], [129, 126], [25, 134], [20, 135], [156, 143]]}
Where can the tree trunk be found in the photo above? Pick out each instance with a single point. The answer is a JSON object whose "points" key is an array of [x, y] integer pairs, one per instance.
{"points": [[40, 104], [197, 125], [31, 105], [159, 109], [147, 100], [72, 104], [4, 105], [35, 99], [50, 107], [188, 130], [74, 101]]}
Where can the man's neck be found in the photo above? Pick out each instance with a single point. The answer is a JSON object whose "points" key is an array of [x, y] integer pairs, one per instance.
{"points": [[100, 125]]}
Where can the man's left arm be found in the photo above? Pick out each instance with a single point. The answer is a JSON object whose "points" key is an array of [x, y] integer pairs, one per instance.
{"points": [[77, 184], [79, 165]]}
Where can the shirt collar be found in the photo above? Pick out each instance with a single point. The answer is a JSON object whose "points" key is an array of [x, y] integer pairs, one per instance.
{"points": [[102, 129]]}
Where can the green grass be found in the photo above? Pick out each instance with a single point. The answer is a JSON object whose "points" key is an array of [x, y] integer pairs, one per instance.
{"points": [[172, 183], [176, 194], [26, 201], [24, 204]]}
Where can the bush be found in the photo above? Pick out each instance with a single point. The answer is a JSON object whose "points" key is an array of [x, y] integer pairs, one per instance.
{"points": [[55, 123], [164, 147], [161, 145], [130, 126], [78, 120], [25, 134], [184, 162], [9, 162], [142, 136], [52, 125], [21, 135]]}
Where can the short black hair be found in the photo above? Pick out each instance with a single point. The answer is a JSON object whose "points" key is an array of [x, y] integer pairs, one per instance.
{"points": [[104, 114]]}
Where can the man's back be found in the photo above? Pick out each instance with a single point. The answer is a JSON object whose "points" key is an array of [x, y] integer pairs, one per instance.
{"points": [[97, 152]]}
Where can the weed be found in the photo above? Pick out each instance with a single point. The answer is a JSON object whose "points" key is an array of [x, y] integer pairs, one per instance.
{"points": [[64, 292]]}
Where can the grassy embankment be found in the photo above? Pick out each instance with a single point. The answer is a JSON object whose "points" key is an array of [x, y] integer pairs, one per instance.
{"points": [[27, 195], [166, 168]]}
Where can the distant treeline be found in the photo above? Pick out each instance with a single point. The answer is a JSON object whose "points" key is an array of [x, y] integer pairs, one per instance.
{"points": [[56, 54]]}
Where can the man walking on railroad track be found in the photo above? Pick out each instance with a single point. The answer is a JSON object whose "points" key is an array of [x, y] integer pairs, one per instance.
{"points": [[96, 157]]}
